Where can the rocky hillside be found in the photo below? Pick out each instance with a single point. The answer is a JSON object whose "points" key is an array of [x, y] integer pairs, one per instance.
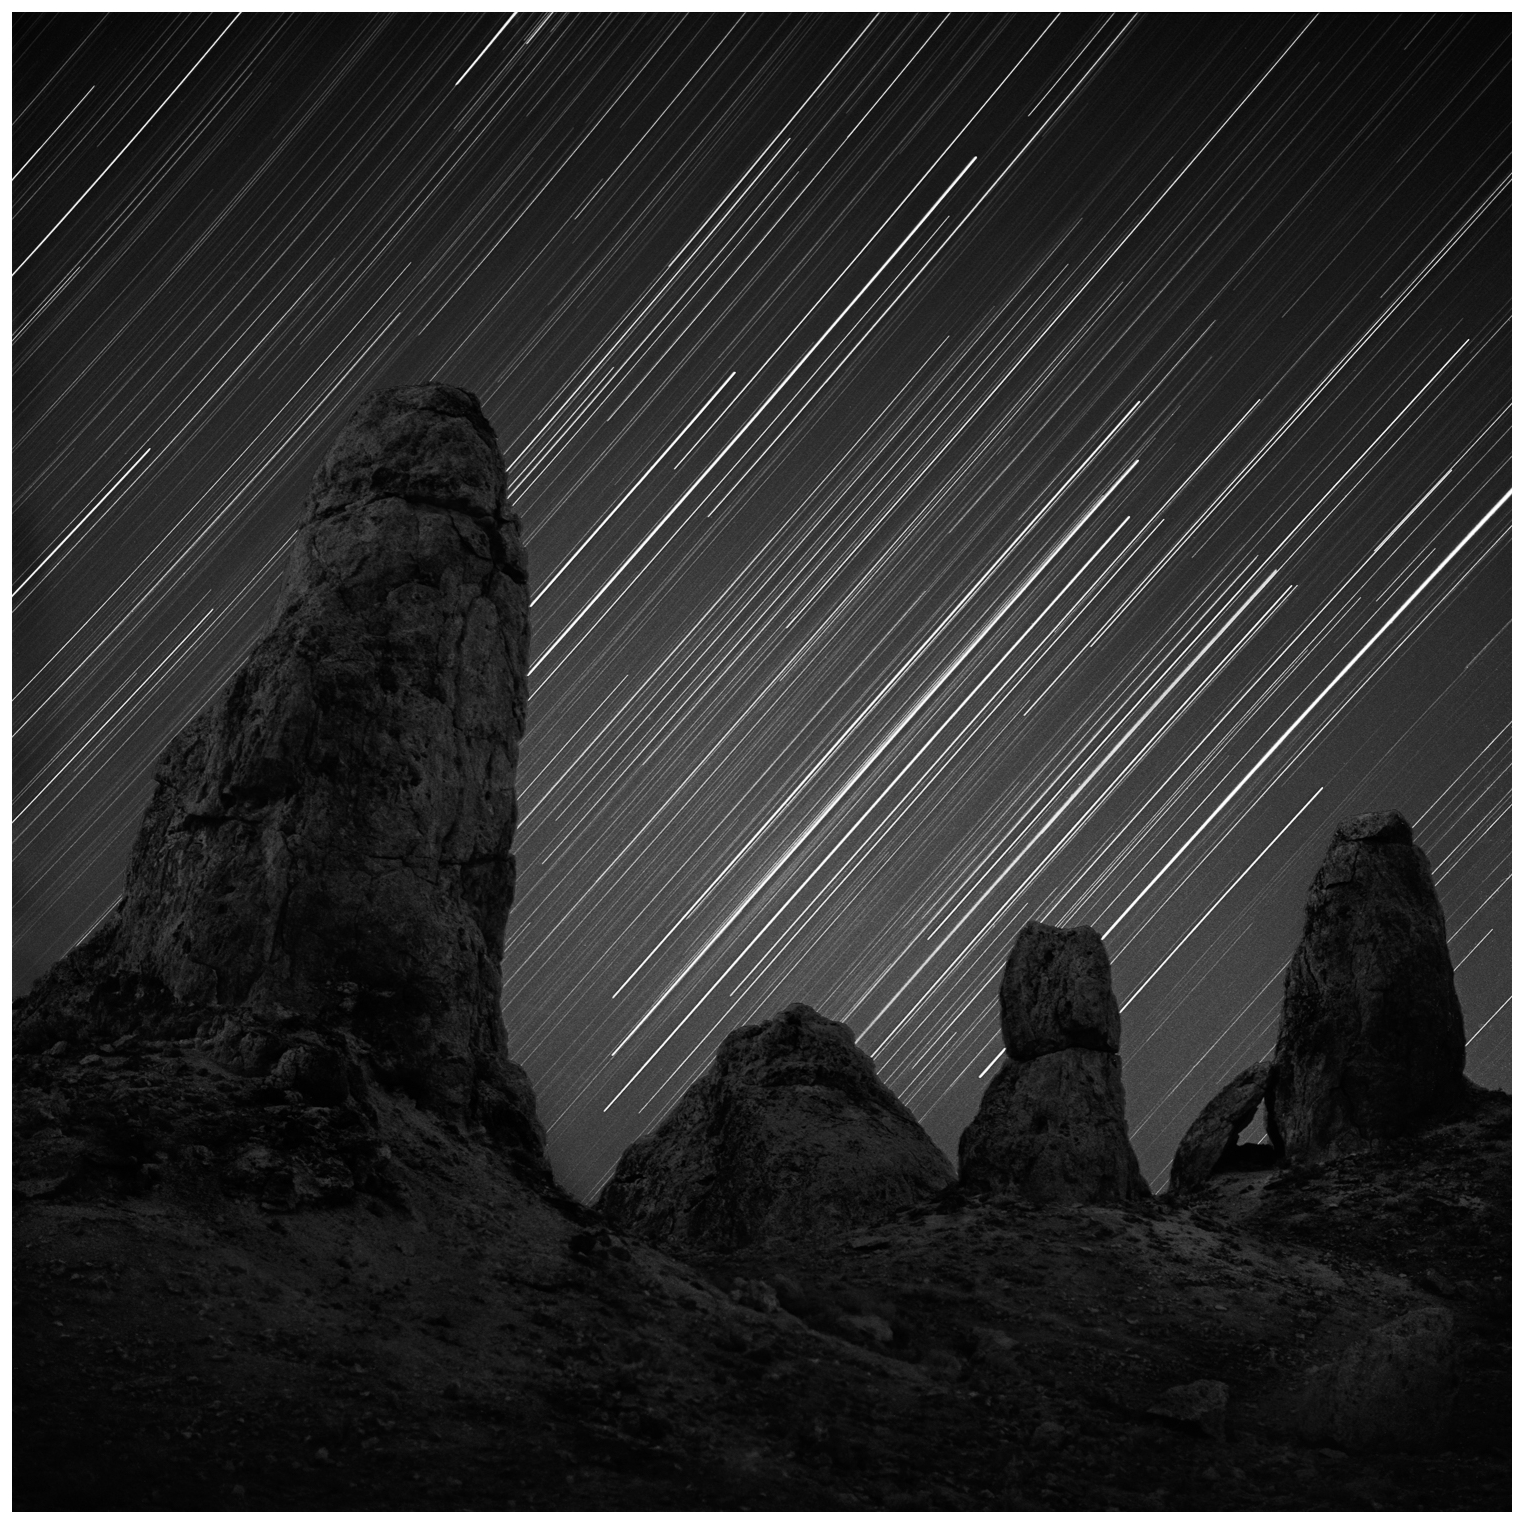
{"points": [[456, 1334], [285, 1237]]}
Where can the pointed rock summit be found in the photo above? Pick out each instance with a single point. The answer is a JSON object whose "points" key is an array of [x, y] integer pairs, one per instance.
{"points": [[324, 873], [1053, 1121], [790, 1133], [1371, 1038]]}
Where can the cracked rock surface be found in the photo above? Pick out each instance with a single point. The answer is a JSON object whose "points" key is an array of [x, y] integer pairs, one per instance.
{"points": [[1053, 1122], [788, 1134], [1371, 1039], [1054, 1128], [323, 876], [1056, 993]]}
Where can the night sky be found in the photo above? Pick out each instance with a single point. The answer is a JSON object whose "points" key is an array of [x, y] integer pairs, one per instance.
{"points": [[975, 469]]}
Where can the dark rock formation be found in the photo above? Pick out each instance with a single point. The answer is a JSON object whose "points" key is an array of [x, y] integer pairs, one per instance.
{"points": [[672, 1395], [323, 876], [1053, 1121], [790, 1133], [1392, 1390], [1371, 1039], [1212, 1138], [1055, 1128], [1056, 993]]}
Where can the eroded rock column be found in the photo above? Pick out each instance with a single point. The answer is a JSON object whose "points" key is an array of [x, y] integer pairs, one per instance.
{"points": [[328, 847], [1053, 1122], [1371, 1038]]}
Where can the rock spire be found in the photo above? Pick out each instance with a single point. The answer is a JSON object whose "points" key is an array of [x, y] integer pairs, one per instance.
{"points": [[328, 846], [1371, 1038], [1053, 1121]]}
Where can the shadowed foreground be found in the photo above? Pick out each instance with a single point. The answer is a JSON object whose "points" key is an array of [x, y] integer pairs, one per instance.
{"points": [[470, 1339]]}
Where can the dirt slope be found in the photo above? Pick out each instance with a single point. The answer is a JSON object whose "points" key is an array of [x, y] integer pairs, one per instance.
{"points": [[458, 1334]]}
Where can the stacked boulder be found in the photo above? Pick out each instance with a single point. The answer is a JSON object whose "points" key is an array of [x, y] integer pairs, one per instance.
{"points": [[790, 1133], [1371, 1038], [1053, 1121], [321, 882]]}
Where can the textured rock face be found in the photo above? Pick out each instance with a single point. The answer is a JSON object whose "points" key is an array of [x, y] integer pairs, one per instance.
{"points": [[1371, 1038], [790, 1133], [1392, 1390], [329, 843], [1056, 993], [1216, 1130], [1053, 1122], [1054, 1128]]}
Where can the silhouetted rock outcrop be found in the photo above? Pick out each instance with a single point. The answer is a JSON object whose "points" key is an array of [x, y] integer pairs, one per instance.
{"points": [[1056, 993], [1371, 1039], [323, 876], [1209, 1140], [790, 1133], [1053, 1122]]}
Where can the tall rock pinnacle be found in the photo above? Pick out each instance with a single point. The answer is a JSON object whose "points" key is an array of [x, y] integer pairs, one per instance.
{"points": [[1371, 1038], [1053, 1122], [329, 842]]}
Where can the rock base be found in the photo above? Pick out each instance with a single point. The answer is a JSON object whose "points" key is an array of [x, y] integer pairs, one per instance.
{"points": [[1054, 1129]]}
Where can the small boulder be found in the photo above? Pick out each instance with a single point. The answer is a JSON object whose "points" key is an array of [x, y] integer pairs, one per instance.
{"points": [[317, 1071], [1438, 1283], [48, 1163], [1371, 1040], [991, 1341], [757, 1295], [1392, 1390], [866, 1326], [1215, 1132], [942, 1362], [792, 1297], [1198, 1405], [789, 1134]]}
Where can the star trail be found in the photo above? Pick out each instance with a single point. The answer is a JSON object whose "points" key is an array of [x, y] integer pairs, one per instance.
{"points": [[975, 468]]}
